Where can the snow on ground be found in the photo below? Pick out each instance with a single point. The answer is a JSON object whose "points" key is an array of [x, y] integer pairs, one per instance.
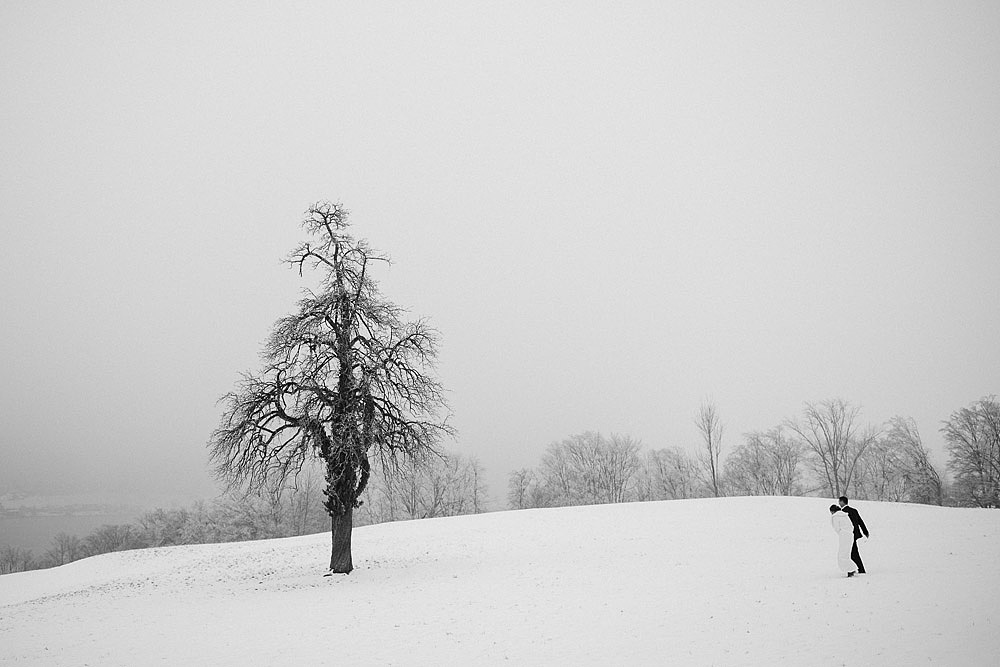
{"points": [[735, 581]]}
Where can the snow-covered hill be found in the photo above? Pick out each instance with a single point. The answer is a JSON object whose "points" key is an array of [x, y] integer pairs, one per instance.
{"points": [[733, 581]]}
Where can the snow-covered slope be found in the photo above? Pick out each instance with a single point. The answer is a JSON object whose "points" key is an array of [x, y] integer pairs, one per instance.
{"points": [[733, 581]]}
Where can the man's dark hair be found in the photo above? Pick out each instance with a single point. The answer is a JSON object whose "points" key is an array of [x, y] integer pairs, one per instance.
{"points": [[843, 499]]}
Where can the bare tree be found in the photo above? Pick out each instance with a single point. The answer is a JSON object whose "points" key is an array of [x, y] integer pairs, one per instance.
{"points": [[836, 441], [160, 527], [710, 427], [304, 492], [560, 476], [65, 549], [588, 468], [16, 559], [445, 485], [767, 463], [897, 467], [668, 474], [344, 379], [923, 482], [616, 467], [424, 487], [972, 437], [201, 525], [519, 484], [109, 538], [527, 489], [476, 482], [881, 473]]}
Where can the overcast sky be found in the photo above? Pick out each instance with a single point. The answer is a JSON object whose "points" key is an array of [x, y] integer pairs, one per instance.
{"points": [[611, 211]]}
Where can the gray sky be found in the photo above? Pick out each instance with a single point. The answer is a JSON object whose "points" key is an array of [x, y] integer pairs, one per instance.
{"points": [[612, 211]]}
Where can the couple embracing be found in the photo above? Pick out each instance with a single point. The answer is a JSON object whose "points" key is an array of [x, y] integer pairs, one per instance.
{"points": [[849, 526]]}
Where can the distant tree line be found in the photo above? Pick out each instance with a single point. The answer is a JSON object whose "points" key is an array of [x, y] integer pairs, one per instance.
{"points": [[423, 488], [826, 450], [434, 486]]}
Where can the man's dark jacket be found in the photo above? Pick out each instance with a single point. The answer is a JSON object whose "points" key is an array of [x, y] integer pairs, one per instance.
{"points": [[859, 524]]}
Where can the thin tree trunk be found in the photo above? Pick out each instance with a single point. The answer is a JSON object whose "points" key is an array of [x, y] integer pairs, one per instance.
{"points": [[340, 534]]}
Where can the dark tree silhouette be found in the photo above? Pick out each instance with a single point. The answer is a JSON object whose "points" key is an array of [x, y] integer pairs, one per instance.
{"points": [[344, 379]]}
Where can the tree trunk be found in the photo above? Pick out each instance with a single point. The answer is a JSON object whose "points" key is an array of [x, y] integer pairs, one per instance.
{"points": [[340, 534]]}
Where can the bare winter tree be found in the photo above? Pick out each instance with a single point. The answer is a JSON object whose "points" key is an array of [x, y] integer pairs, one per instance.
{"points": [[526, 488], [922, 480], [836, 441], [668, 474], [615, 467], [766, 464], [589, 468], [972, 437], [15, 559], [445, 485], [476, 481], [519, 484], [710, 427], [560, 477], [881, 473], [303, 495], [65, 549], [108, 538], [345, 379], [897, 467]]}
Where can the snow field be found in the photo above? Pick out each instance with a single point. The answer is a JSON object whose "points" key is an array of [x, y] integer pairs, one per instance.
{"points": [[731, 581]]}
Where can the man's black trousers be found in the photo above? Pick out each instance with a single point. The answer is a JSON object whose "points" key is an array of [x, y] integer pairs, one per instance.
{"points": [[856, 557]]}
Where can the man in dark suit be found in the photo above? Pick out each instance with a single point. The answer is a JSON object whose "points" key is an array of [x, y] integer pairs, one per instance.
{"points": [[859, 528]]}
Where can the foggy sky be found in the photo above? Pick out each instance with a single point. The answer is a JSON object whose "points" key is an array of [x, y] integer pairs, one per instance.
{"points": [[611, 211]]}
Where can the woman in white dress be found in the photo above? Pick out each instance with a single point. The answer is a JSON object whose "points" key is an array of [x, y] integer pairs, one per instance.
{"points": [[845, 539]]}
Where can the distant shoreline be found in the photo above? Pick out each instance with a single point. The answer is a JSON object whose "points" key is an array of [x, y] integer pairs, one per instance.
{"points": [[74, 510], [32, 521], [36, 531]]}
